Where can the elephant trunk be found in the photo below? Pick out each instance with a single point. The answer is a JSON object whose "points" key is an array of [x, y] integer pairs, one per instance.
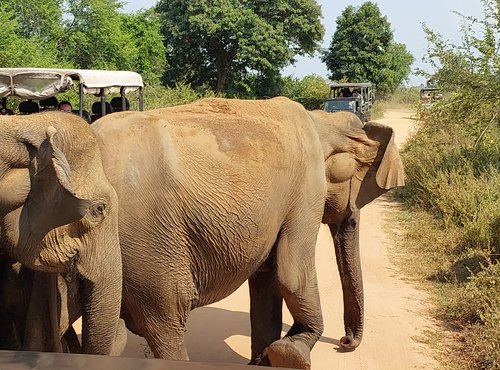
{"points": [[42, 316], [102, 287], [346, 240]]}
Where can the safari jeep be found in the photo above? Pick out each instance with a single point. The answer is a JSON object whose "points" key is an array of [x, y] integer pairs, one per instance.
{"points": [[351, 97], [429, 95], [38, 88]]}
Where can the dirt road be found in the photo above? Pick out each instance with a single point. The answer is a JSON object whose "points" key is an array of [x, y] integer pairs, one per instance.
{"points": [[393, 308]]}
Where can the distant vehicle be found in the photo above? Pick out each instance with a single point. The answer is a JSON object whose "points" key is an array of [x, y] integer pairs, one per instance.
{"points": [[40, 86], [351, 97], [429, 95]]}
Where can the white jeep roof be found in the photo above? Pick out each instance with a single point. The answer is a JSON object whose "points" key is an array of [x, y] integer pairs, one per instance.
{"points": [[41, 83]]}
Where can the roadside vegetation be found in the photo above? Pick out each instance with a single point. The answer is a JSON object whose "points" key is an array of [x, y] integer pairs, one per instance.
{"points": [[452, 195]]}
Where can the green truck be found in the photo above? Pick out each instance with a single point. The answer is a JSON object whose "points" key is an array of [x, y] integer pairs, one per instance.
{"points": [[351, 97]]}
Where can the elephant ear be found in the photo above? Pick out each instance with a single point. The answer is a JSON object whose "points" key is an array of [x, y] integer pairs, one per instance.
{"points": [[51, 202], [385, 172]]}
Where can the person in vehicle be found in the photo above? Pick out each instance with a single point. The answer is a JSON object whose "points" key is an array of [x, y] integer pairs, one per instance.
{"points": [[65, 106], [4, 111], [28, 107], [345, 92]]}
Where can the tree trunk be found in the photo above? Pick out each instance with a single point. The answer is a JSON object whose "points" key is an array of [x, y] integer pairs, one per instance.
{"points": [[223, 66]]}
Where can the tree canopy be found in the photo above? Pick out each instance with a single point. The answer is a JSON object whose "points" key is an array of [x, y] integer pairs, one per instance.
{"points": [[29, 31], [363, 49], [81, 34], [209, 43]]}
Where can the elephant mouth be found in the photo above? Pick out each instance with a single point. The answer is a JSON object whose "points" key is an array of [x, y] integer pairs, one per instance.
{"points": [[56, 254]]}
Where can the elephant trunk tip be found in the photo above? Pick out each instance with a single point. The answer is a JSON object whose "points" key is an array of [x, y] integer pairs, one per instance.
{"points": [[348, 343]]}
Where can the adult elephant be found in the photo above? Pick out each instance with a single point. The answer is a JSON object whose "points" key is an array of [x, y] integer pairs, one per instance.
{"points": [[59, 214], [211, 194], [362, 162]]}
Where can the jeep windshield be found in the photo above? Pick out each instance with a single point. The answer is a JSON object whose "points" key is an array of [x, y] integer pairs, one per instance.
{"points": [[340, 104]]}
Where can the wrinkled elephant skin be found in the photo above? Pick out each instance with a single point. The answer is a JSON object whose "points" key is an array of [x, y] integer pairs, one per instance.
{"points": [[211, 194]]}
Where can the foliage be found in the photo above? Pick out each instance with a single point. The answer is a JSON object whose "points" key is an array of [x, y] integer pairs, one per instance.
{"points": [[17, 47], [453, 175], [93, 37], [310, 91], [158, 96], [362, 49], [39, 19], [211, 43], [405, 96], [144, 29]]}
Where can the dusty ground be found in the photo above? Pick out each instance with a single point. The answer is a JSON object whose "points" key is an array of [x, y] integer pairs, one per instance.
{"points": [[394, 310]]}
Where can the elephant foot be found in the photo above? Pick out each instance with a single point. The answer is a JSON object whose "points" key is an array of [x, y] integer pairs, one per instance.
{"points": [[285, 353], [261, 360], [349, 343]]}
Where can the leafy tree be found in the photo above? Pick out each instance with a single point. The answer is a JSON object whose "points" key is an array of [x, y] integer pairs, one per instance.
{"points": [[470, 73], [94, 37], [144, 30], [17, 47], [208, 42], [310, 91], [39, 19], [363, 49]]}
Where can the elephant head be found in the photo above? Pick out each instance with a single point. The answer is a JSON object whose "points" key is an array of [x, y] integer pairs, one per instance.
{"points": [[362, 163], [59, 214]]}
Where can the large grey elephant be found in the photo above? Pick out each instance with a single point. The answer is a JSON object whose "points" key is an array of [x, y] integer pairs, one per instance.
{"points": [[362, 162], [59, 214], [211, 194]]}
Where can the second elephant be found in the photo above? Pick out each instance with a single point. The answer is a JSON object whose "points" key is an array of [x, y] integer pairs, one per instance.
{"points": [[362, 162]]}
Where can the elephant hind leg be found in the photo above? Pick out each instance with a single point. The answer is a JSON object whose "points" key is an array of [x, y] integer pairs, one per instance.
{"points": [[265, 314], [297, 284]]}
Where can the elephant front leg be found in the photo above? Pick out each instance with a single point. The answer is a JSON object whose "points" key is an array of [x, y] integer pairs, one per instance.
{"points": [[165, 334], [346, 240], [265, 314], [297, 284]]}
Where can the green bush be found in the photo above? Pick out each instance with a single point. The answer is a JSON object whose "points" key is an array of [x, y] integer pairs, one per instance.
{"points": [[158, 96], [475, 307], [310, 91], [405, 96]]}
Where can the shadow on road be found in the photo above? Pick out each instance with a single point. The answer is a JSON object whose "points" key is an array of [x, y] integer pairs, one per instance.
{"points": [[209, 327]]}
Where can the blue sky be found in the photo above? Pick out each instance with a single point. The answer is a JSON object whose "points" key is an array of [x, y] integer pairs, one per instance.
{"points": [[406, 18]]}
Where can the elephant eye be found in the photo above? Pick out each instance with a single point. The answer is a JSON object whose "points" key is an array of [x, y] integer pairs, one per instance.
{"points": [[97, 209]]}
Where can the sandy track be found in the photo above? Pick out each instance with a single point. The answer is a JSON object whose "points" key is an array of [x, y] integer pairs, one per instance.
{"points": [[394, 310]]}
